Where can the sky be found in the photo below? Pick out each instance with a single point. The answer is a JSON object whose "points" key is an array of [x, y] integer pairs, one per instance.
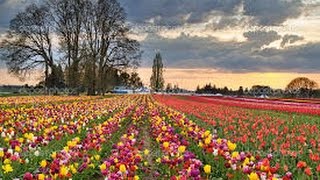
{"points": [[225, 42]]}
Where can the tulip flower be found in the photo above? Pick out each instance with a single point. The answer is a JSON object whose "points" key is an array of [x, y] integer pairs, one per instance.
{"points": [[308, 171], [43, 163], [41, 177], [7, 168], [28, 176], [146, 152], [253, 176], [64, 171], [103, 167], [166, 144], [301, 164], [207, 169], [122, 168], [231, 146], [182, 149], [1, 153]]}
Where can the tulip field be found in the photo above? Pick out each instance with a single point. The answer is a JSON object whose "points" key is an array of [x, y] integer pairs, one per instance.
{"points": [[150, 137]]}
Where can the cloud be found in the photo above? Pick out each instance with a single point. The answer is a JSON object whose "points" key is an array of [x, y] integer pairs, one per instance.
{"points": [[272, 12], [173, 12], [231, 12], [290, 39], [200, 52], [219, 14], [192, 51], [261, 38]]}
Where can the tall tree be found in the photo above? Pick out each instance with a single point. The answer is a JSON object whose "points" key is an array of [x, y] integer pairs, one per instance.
{"points": [[28, 44], [112, 79], [89, 77], [302, 86], [93, 40], [135, 81], [124, 79], [68, 16], [156, 80], [55, 78], [106, 39], [240, 91]]}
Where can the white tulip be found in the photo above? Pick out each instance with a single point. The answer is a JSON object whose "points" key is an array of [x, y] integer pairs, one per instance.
{"points": [[10, 151], [37, 153]]}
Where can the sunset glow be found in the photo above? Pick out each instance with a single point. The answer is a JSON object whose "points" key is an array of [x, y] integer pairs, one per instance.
{"points": [[190, 78]]}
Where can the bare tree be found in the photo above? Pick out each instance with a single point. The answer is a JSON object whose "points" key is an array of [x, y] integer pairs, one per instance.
{"points": [[304, 85], [69, 16], [106, 39], [28, 43], [93, 40]]}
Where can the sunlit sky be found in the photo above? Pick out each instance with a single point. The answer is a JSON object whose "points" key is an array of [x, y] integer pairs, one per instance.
{"points": [[225, 42]]}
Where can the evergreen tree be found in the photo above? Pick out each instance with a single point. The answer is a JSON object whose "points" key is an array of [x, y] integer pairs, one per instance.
{"points": [[135, 81], [240, 91], [156, 80]]}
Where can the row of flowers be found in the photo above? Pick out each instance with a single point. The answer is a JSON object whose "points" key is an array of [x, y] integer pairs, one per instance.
{"points": [[26, 150], [123, 163], [290, 140], [254, 167], [182, 147], [31, 100], [25, 129], [292, 107], [182, 163], [75, 158]]}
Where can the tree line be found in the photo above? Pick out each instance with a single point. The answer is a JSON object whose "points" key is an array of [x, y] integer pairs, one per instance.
{"points": [[78, 44], [301, 87], [212, 89]]}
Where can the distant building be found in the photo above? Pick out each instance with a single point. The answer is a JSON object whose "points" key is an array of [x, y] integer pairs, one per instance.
{"points": [[142, 90], [122, 90], [128, 90]]}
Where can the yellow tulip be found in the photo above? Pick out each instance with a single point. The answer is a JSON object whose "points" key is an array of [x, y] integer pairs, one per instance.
{"points": [[166, 144], [207, 140], [146, 152], [97, 157], [41, 177], [122, 168], [17, 149], [231, 146], [207, 133], [182, 149], [73, 169], [7, 168], [253, 176], [207, 169], [7, 161], [64, 171], [43, 163], [53, 155], [235, 154]]}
